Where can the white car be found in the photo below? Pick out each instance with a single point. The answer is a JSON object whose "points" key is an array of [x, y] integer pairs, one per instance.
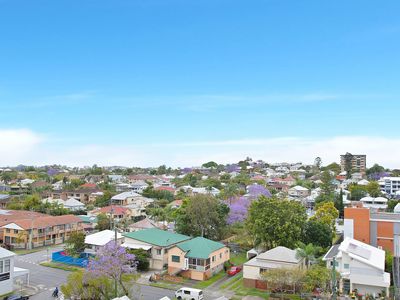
{"points": [[186, 293]]}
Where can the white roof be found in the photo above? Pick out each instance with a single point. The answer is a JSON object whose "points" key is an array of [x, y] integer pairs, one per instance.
{"points": [[397, 208], [300, 188], [367, 199], [363, 182], [363, 253], [124, 195], [279, 254], [101, 238], [5, 253], [72, 202]]}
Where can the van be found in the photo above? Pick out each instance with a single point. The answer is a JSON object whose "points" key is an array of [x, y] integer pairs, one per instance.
{"points": [[186, 293]]}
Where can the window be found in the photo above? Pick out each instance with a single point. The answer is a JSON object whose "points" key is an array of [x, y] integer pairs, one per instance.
{"points": [[213, 258], [158, 251], [8, 230], [176, 258], [220, 256], [7, 265], [16, 231], [1, 267], [346, 266], [186, 292]]}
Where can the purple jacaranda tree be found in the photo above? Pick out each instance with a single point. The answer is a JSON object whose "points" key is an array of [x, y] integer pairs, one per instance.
{"points": [[239, 205], [52, 172], [112, 261], [186, 170], [238, 210], [378, 175], [257, 190], [232, 168]]}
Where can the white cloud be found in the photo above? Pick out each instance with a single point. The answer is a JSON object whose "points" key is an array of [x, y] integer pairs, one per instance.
{"points": [[27, 147]]}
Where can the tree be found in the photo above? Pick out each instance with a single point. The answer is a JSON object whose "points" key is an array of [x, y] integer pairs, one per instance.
{"points": [[357, 191], [103, 222], [75, 244], [326, 213], [308, 252], [317, 277], [339, 203], [318, 162], [210, 164], [273, 222], [142, 259], [373, 189], [348, 164], [113, 262], [318, 233], [281, 278], [202, 215], [104, 200], [327, 187], [334, 167], [111, 273], [375, 169]]}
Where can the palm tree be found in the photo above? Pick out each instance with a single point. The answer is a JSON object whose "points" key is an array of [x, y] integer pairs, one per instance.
{"points": [[307, 252]]}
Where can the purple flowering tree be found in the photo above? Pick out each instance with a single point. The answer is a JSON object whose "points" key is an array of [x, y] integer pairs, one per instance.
{"points": [[113, 262], [239, 205], [257, 190]]}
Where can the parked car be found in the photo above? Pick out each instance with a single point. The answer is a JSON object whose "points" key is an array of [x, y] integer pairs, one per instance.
{"points": [[234, 270], [186, 293], [16, 297]]}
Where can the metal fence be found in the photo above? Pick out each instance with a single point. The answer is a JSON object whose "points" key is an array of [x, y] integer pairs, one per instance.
{"points": [[62, 257]]}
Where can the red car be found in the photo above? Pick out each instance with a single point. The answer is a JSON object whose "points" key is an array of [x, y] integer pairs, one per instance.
{"points": [[234, 270]]}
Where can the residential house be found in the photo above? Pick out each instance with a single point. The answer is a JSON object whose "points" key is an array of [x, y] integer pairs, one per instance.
{"points": [[378, 229], [279, 257], [389, 185], [8, 272], [146, 223], [156, 241], [31, 232], [198, 258], [89, 223], [378, 203], [96, 241], [84, 195], [138, 186], [130, 197], [116, 212], [299, 192], [361, 267], [4, 200], [74, 205]]}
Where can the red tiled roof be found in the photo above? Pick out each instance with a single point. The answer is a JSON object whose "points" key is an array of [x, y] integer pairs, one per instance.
{"points": [[89, 185], [165, 188], [46, 221], [116, 210]]}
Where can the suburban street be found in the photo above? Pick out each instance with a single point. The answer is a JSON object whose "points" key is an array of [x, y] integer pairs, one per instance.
{"points": [[43, 280]]}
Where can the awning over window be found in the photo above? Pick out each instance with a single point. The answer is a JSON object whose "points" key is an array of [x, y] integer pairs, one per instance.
{"points": [[136, 246]]}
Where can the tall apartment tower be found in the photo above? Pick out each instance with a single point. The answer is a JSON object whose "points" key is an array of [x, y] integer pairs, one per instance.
{"points": [[355, 163]]}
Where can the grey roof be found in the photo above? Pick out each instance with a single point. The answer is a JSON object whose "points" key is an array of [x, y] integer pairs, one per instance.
{"points": [[270, 258], [4, 197], [385, 216], [333, 251]]}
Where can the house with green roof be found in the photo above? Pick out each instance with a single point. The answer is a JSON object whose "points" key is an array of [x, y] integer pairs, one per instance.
{"points": [[198, 258], [156, 242]]}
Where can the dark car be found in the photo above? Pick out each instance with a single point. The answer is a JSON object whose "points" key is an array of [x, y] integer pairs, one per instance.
{"points": [[16, 297]]}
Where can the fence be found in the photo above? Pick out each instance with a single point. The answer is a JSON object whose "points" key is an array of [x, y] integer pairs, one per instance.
{"points": [[62, 257]]}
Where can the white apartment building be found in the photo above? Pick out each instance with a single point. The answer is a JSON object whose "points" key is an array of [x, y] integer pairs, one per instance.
{"points": [[389, 185]]}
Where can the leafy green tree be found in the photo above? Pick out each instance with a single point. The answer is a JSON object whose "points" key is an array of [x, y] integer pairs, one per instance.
{"points": [[375, 169], [104, 200], [318, 233], [348, 164], [282, 278], [268, 227], [210, 164], [202, 215], [142, 258], [75, 244], [373, 189], [327, 187], [339, 203], [326, 213], [334, 167], [317, 277], [103, 222], [357, 191], [391, 205]]}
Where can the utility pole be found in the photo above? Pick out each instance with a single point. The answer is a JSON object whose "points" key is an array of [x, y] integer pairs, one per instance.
{"points": [[334, 279]]}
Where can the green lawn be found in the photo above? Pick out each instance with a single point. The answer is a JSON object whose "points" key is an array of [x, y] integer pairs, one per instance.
{"points": [[60, 266], [207, 283], [238, 258], [231, 283]]}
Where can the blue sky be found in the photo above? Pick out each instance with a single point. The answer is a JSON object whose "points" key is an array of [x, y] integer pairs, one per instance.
{"points": [[182, 81]]}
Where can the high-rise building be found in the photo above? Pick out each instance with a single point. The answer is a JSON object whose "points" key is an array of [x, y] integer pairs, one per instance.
{"points": [[353, 163]]}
